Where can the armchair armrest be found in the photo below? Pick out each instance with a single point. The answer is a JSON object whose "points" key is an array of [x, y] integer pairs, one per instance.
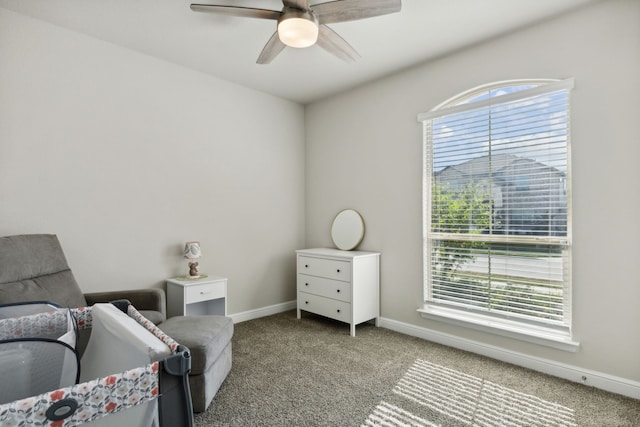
{"points": [[147, 301]]}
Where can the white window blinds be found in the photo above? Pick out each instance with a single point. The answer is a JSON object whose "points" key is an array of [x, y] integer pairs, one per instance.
{"points": [[497, 202]]}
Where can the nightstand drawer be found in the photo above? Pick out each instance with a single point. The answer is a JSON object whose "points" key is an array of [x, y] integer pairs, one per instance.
{"points": [[204, 292], [329, 268], [324, 287], [328, 307]]}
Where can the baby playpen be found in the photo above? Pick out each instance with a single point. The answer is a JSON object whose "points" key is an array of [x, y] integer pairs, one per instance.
{"points": [[130, 373]]}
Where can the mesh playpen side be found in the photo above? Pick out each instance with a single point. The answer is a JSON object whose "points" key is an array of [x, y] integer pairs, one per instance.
{"points": [[131, 373]]}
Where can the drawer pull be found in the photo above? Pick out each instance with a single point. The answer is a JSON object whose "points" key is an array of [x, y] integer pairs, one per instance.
{"points": [[338, 291], [338, 270], [338, 310], [204, 293], [306, 266], [306, 284], [306, 302]]}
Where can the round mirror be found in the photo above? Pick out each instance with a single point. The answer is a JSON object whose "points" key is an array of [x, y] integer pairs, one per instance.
{"points": [[347, 230]]}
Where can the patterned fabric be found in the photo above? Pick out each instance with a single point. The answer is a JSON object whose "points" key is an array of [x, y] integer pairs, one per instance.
{"points": [[35, 325], [95, 399], [170, 342], [84, 317]]}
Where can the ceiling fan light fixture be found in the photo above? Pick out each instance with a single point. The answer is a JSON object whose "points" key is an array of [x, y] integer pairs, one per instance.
{"points": [[298, 28]]}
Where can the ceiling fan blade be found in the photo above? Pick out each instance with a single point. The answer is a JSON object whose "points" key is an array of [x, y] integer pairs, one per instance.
{"points": [[297, 4], [330, 41], [351, 10], [243, 12], [273, 47]]}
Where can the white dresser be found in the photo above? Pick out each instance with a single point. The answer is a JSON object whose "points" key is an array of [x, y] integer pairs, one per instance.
{"points": [[342, 285]]}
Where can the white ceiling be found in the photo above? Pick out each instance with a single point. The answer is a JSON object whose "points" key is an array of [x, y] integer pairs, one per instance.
{"points": [[227, 47]]}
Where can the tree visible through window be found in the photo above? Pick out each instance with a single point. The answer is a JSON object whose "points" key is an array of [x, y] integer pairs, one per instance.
{"points": [[497, 205]]}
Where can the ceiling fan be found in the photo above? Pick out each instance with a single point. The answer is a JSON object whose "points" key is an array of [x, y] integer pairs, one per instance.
{"points": [[302, 25]]}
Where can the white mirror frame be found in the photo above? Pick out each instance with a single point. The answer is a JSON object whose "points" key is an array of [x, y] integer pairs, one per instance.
{"points": [[347, 230]]}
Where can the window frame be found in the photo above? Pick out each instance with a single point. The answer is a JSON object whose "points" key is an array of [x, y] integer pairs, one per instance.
{"points": [[553, 335]]}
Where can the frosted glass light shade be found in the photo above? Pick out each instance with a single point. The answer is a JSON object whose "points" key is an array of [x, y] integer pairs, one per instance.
{"points": [[298, 32]]}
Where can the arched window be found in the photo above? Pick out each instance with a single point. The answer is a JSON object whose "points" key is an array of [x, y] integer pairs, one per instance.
{"points": [[497, 206]]}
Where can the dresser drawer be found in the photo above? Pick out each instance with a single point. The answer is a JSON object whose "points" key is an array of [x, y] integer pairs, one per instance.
{"points": [[204, 292], [328, 307], [331, 269], [324, 287]]}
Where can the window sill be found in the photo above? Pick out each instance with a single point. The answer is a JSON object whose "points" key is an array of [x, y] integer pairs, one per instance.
{"points": [[549, 337]]}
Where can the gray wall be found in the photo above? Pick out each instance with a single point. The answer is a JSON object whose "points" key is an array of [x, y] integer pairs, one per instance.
{"points": [[126, 157], [364, 151]]}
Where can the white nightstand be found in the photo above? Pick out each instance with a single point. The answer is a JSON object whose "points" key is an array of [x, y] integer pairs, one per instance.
{"points": [[197, 297]]}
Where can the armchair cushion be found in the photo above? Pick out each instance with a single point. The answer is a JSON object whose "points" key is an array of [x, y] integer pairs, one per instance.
{"points": [[35, 269]]}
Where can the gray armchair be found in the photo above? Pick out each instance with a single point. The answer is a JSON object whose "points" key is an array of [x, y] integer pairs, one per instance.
{"points": [[33, 268]]}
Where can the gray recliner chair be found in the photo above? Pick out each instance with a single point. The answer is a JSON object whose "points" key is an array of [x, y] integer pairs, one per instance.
{"points": [[33, 267]]}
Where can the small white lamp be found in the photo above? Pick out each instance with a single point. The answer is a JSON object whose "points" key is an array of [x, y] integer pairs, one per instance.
{"points": [[192, 251]]}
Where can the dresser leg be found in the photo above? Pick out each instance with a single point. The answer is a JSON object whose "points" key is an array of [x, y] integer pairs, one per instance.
{"points": [[298, 310], [353, 330]]}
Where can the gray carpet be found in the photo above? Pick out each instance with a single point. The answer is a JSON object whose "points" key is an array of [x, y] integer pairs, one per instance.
{"points": [[310, 372]]}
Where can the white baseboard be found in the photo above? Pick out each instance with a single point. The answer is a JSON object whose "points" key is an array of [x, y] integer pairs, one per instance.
{"points": [[588, 377], [263, 311]]}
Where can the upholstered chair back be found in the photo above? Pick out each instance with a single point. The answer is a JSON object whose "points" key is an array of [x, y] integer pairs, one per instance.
{"points": [[33, 268]]}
